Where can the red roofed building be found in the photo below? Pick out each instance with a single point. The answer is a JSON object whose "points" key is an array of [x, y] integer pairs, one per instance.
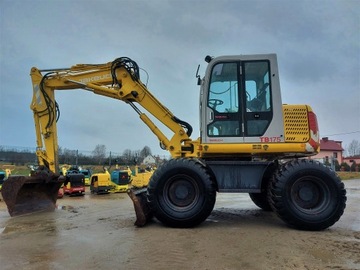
{"points": [[330, 149], [350, 160]]}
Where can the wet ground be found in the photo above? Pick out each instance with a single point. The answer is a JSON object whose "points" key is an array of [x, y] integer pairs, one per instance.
{"points": [[97, 232]]}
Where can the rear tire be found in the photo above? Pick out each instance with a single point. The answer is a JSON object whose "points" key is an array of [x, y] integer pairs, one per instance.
{"points": [[261, 200], [307, 195], [181, 193]]}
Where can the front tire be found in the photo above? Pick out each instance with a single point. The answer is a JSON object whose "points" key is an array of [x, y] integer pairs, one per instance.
{"points": [[181, 193], [307, 195]]}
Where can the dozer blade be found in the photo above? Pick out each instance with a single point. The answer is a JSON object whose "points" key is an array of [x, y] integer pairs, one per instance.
{"points": [[141, 206], [29, 194]]}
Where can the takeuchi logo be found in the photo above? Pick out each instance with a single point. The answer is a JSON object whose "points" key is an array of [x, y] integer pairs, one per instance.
{"points": [[95, 78]]}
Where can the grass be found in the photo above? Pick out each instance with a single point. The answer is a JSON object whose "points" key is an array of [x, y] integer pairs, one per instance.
{"points": [[348, 175]]}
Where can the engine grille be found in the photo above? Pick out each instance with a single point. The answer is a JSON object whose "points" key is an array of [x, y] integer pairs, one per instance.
{"points": [[296, 123]]}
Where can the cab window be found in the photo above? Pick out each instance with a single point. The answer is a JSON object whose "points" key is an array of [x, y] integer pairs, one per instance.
{"points": [[223, 93], [258, 113], [223, 99], [257, 87]]}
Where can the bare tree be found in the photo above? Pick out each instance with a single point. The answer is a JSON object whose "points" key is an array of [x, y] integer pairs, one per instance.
{"points": [[354, 148], [127, 156], [67, 156], [145, 152], [99, 153]]}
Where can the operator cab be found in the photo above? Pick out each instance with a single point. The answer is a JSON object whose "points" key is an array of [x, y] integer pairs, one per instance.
{"points": [[240, 100]]}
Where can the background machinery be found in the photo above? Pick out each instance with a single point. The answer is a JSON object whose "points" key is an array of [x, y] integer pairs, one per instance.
{"points": [[87, 173], [100, 183], [248, 142], [5, 173], [141, 177], [74, 182], [2, 178], [120, 180], [106, 182]]}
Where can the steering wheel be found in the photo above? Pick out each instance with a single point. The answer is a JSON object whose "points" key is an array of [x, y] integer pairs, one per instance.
{"points": [[215, 102]]}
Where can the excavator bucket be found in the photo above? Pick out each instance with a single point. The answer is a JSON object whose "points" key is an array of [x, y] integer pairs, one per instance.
{"points": [[29, 194], [141, 206]]}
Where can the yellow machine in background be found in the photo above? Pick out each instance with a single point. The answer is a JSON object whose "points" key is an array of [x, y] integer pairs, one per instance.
{"points": [[141, 178], [120, 180], [248, 142], [8, 169], [5, 173], [64, 168], [116, 181], [100, 183]]}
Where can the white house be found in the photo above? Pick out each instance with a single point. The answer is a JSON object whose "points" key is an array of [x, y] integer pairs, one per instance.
{"points": [[149, 160]]}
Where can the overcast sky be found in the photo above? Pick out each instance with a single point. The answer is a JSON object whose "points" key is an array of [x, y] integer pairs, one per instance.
{"points": [[317, 43]]}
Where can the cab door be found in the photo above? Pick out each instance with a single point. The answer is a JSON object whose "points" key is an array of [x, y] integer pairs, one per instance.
{"points": [[223, 104]]}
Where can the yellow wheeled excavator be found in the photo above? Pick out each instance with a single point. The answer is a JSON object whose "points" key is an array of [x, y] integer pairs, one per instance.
{"points": [[249, 142]]}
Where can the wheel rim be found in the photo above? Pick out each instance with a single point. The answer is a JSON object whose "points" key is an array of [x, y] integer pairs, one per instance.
{"points": [[310, 194], [181, 193]]}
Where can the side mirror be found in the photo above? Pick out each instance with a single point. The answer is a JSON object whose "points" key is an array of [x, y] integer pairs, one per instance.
{"points": [[208, 58]]}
